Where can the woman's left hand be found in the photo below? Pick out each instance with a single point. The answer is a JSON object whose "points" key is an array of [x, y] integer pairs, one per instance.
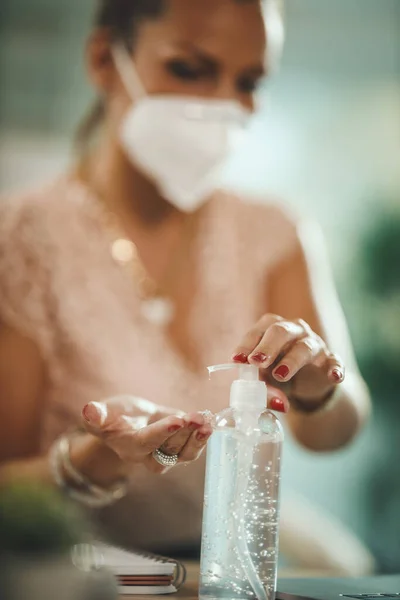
{"points": [[294, 360]]}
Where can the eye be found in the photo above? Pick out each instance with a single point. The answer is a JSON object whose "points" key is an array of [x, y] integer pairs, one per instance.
{"points": [[251, 82], [248, 85], [183, 70]]}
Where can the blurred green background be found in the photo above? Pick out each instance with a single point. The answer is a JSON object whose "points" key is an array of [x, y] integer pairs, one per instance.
{"points": [[327, 141]]}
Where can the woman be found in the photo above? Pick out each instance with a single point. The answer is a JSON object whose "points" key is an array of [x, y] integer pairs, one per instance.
{"points": [[128, 276]]}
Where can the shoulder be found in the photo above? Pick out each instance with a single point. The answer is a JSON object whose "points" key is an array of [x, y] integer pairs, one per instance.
{"points": [[25, 238], [26, 254], [20, 215], [34, 221], [256, 211], [37, 229], [266, 225]]}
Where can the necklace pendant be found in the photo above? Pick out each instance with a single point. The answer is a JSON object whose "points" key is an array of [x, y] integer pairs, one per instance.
{"points": [[158, 311], [123, 251]]}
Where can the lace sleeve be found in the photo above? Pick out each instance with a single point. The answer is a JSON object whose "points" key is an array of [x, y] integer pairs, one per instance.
{"points": [[24, 273]]}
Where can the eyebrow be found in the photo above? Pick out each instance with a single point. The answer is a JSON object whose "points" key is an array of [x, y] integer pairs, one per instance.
{"points": [[256, 70], [201, 55]]}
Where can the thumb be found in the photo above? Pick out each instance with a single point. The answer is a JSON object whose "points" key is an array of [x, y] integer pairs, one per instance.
{"points": [[117, 414], [95, 414]]}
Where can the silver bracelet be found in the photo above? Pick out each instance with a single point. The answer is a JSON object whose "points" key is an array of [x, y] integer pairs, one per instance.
{"points": [[90, 495], [118, 490]]}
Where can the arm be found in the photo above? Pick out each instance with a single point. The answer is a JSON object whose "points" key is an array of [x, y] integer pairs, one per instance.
{"points": [[303, 287], [111, 447], [114, 445], [22, 378], [22, 370]]}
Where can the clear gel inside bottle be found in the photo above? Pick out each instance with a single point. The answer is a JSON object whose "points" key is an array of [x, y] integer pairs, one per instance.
{"points": [[241, 504]]}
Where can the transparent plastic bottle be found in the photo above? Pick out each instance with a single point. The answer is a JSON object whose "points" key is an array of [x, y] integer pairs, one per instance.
{"points": [[241, 503]]}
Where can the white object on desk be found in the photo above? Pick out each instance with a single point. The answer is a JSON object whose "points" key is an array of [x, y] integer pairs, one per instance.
{"points": [[142, 573]]}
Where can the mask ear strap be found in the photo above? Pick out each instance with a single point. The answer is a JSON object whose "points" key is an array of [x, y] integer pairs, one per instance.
{"points": [[128, 73], [275, 31]]}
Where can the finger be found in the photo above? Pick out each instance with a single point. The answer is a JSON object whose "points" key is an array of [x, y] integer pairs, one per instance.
{"points": [[176, 443], [95, 415], [105, 414], [277, 400], [133, 445], [335, 369], [99, 420], [253, 338], [276, 340], [154, 436], [305, 351], [155, 467], [196, 444], [163, 412], [113, 412]]}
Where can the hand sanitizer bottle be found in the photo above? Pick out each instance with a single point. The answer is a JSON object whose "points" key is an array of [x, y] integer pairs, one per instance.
{"points": [[241, 505]]}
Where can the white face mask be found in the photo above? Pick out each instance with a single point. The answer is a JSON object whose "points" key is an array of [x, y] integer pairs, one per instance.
{"points": [[179, 142]]}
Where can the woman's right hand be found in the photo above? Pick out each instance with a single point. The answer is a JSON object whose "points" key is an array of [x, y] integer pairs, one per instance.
{"points": [[134, 428]]}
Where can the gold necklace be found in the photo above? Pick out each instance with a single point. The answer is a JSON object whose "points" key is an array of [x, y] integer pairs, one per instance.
{"points": [[155, 305]]}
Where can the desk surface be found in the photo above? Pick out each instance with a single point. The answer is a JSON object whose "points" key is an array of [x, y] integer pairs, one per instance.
{"points": [[190, 590]]}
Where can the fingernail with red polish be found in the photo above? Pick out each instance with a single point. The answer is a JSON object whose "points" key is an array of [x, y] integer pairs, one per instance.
{"points": [[282, 371], [201, 437], [86, 413], [259, 357], [278, 405], [337, 375], [174, 428], [95, 413], [241, 358]]}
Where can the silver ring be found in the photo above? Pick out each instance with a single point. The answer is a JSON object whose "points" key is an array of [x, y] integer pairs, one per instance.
{"points": [[166, 460], [208, 416]]}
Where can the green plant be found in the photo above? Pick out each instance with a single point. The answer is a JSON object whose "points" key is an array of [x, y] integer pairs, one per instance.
{"points": [[36, 520], [381, 255], [378, 314], [376, 318]]}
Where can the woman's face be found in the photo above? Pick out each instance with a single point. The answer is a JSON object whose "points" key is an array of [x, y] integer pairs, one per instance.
{"points": [[206, 48], [209, 48]]}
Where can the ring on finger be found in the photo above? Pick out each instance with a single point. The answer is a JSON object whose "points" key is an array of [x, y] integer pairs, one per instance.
{"points": [[207, 416], [166, 460]]}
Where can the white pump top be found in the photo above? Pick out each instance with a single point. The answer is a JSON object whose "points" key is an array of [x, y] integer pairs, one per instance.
{"points": [[247, 392]]}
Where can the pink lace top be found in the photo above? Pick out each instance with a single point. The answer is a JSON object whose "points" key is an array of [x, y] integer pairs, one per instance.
{"points": [[60, 286]]}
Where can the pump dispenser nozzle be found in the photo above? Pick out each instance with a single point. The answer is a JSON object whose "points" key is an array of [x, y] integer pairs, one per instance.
{"points": [[247, 372], [247, 392]]}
